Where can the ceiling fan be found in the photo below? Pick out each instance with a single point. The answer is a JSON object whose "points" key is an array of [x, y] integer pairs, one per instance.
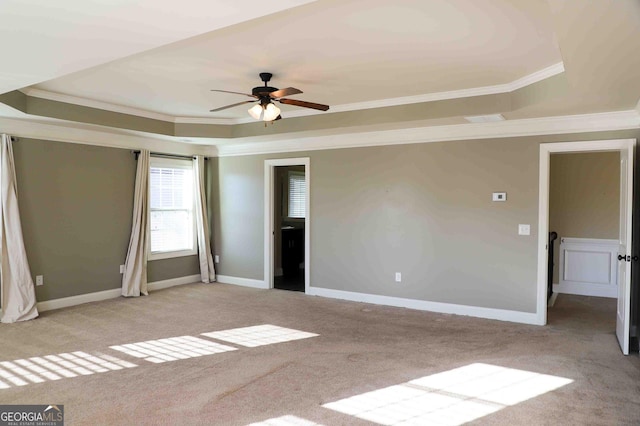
{"points": [[266, 95]]}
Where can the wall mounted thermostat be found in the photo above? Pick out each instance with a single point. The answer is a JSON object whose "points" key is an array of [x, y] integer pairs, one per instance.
{"points": [[499, 196]]}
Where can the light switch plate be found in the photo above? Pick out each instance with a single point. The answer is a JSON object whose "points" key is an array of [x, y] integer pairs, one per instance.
{"points": [[39, 280], [499, 196], [524, 229]]}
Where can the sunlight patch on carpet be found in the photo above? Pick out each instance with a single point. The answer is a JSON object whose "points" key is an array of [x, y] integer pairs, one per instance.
{"points": [[172, 349], [286, 421], [39, 369], [259, 335], [22, 372], [452, 397]]}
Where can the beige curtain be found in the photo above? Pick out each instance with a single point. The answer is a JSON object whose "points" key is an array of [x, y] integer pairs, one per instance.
{"points": [[18, 291], [207, 270], [134, 279]]}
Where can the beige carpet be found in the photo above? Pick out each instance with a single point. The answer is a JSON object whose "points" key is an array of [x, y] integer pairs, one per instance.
{"points": [[359, 348]]}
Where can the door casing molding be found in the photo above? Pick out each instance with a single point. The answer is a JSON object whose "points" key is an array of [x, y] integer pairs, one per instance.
{"points": [[269, 178]]}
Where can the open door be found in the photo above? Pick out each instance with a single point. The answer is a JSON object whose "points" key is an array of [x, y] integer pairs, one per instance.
{"points": [[624, 250], [626, 147]]}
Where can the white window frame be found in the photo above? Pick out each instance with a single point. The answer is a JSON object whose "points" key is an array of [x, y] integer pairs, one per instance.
{"points": [[288, 195], [181, 164]]}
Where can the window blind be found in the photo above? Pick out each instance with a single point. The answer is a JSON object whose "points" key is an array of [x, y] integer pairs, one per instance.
{"points": [[297, 195], [171, 201]]}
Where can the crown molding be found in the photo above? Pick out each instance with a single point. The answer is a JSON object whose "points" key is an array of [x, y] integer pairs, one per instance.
{"points": [[104, 136], [536, 77], [532, 78], [585, 123], [527, 80], [99, 136], [91, 103], [121, 109], [207, 120]]}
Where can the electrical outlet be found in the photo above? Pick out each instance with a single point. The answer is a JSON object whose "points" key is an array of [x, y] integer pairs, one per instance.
{"points": [[217, 258], [122, 269], [499, 196], [398, 277], [39, 280]]}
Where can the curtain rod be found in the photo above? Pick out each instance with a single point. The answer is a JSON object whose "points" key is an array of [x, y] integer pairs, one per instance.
{"points": [[160, 154]]}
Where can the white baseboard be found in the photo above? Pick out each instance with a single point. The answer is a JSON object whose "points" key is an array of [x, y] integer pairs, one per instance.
{"points": [[586, 289], [423, 305], [244, 282], [159, 285], [66, 302]]}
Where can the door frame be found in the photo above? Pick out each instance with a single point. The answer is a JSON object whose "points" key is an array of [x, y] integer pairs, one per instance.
{"points": [[269, 179], [546, 149]]}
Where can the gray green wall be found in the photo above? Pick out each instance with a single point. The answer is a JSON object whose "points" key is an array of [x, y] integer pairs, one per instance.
{"points": [[424, 210], [584, 197], [76, 205]]}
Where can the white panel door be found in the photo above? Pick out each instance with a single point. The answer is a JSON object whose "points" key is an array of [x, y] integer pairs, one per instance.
{"points": [[624, 250]]}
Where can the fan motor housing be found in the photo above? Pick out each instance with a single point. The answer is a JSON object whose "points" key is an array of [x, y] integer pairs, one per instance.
{"points": [[262, 90]]}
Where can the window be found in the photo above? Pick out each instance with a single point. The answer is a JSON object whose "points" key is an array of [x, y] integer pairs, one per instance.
{"points": [[171, 221], [297, 196]]}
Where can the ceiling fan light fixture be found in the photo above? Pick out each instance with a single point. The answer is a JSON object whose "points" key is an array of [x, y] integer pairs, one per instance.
{"points": [[265, 109], [256, 111], [271, 112]]}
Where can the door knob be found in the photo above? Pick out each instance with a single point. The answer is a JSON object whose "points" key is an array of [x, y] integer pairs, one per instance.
{"points": [[621, 257], [634, 258]]}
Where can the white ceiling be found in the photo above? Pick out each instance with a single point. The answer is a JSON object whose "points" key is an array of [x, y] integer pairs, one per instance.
{"points": [[336, 51], [160, 58], [43, 39]]}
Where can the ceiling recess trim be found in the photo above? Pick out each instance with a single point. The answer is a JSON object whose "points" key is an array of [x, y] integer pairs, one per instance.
{"points": [[491, 118], [527, 80], [95, 135], [91, 103], [585, 123], [62, 131]]}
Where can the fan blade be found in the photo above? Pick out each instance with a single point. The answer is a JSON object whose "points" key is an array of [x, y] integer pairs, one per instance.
{"points": [[285, 92], [304, 104], [232, 105], [235, 93]]}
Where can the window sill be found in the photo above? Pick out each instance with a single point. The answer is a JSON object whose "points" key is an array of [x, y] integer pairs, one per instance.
{"points": [[171, 254]]}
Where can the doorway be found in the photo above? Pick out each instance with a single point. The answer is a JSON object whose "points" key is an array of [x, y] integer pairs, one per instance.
{"points": [[287, 224], [626, 150]]}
